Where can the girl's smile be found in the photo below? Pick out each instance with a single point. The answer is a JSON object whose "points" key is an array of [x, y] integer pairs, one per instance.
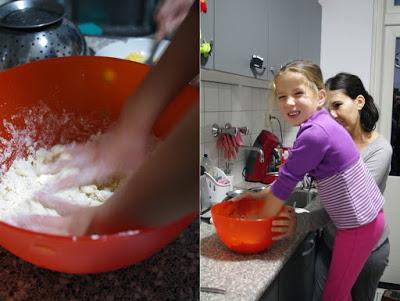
{"points": [[293, 114]]}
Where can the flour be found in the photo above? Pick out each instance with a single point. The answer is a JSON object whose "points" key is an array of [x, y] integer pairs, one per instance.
{"points": [[25, 138], [20, 183]]}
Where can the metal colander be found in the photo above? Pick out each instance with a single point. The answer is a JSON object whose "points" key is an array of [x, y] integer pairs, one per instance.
{"points": [[35, 30]]}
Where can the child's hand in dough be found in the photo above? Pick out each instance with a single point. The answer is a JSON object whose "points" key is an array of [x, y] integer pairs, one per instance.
{"points": [[110, 157], [72, 223]]}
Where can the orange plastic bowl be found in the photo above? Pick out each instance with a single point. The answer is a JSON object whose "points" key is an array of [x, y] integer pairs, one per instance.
{"points": [[237, 230], [94, 90]]}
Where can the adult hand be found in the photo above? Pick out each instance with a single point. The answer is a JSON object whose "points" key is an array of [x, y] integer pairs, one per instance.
{"points": [[169, 16], [285, 225]]}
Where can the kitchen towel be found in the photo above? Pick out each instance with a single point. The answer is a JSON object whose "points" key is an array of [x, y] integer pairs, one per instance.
{"points": [[230, 145]]}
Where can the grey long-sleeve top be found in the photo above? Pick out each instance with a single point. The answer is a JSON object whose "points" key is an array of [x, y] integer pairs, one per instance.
{"points": [[377, 157]]}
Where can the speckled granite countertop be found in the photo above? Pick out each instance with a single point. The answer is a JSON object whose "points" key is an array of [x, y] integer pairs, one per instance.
{"points": [[172, 274], [243, 276]]}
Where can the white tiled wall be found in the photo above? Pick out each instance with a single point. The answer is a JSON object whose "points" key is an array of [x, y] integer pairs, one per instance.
{"points": [[241, 106]]}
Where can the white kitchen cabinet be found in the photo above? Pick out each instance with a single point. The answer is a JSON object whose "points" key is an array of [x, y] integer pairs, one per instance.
{"points": [[310, 31], [240, 31], [283, 33], [294, 32], [276, 30]]}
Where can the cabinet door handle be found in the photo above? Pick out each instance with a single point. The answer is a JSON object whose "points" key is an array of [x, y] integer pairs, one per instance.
{"points": [[311, 242], [257, 62]]}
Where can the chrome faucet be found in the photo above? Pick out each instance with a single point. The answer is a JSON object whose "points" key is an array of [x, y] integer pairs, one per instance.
{"points": [[256, 149]]}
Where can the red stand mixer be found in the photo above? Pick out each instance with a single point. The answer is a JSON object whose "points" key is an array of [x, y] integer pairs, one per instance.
{"points": [[264, 171]]}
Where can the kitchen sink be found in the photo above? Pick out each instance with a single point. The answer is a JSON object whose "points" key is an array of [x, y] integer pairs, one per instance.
{"points": [[301, 198]]}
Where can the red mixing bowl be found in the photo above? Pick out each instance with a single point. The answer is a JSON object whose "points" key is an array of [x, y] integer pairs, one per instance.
{"points": [[92, 90], [238, 228]]}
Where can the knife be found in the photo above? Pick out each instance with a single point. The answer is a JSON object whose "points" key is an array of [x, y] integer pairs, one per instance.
{"points": [[153, 50]]}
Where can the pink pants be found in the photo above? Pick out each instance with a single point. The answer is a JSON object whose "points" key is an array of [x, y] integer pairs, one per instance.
{"points": [[351, 250]]}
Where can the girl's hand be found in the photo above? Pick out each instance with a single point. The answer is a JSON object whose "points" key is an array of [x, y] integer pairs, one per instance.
{"points": [[73, 219], [109, 158], [270, 208], [251, 195], [75, 222], [79, 220], [285, 225]]}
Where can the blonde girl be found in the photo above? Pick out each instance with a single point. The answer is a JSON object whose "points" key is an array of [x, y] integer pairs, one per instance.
{"points": [[326, 151]]}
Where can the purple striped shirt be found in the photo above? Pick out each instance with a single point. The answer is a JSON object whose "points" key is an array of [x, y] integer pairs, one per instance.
{"points": [[325, 150], [351, 197]]}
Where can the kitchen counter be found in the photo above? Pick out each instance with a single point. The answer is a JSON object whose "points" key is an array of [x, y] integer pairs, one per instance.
{"points": [[243, 276], [171, 274]]}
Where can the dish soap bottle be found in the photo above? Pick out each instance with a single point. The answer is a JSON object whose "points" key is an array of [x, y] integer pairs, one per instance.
{"points": [[206, 163]]}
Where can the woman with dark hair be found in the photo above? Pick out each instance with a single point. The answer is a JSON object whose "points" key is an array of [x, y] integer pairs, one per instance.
{"points": [[352, 106]]}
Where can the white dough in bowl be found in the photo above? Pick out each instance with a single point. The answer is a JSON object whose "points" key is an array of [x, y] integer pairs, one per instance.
{"points": [[22, 180]]}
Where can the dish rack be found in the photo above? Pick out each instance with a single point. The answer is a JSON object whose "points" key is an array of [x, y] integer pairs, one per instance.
{"points": [[213, 188]]}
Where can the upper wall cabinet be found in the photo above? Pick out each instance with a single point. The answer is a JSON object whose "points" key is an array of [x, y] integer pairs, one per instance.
{"points": [[240, 32], [275, 30], [294, 32], [283, 33], [310, 31]]}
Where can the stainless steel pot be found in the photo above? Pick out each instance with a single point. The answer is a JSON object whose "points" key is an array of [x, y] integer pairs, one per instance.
{"points": [[34, 30]]}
